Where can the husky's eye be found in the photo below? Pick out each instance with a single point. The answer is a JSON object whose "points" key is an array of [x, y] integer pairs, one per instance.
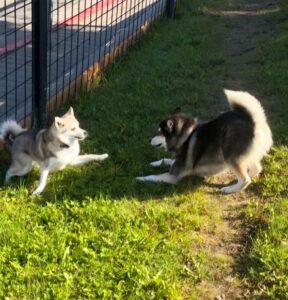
{"points": [[73, 129]]}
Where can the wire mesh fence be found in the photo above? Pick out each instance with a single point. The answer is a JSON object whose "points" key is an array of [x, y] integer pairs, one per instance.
{"points": [[80, 38]]}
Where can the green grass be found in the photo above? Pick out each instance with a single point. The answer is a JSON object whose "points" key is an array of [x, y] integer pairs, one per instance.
{"points": [[267, 256], [100, 247], [268, 253], [96, 233]]}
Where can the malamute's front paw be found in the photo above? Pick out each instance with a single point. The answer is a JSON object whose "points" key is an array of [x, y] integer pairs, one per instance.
{"points": [[227, 190], [231, 189], [156, 163], [239, 186], [143, 178], [165, 177], [151, 178], [163, 161]]}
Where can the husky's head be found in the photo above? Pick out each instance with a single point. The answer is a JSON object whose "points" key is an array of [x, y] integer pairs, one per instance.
{"points": [[67, 127], [173, 131]]}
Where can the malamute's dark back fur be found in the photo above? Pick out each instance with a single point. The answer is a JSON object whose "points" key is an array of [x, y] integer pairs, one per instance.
{"points": [[229, 136]]}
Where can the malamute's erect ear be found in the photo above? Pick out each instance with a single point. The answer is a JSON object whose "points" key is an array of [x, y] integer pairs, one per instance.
{"points": [[177, 110], [168, 125]]}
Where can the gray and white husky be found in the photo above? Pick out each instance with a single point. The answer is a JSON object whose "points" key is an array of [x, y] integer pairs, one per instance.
{"points": [[237, 140], [52, 149]]}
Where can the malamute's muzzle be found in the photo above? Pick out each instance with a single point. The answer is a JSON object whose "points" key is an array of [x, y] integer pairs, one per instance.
{"points": [[159, 141]]}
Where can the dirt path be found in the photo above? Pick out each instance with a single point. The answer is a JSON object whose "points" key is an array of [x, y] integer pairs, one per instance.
{"points": [[248, 23]]}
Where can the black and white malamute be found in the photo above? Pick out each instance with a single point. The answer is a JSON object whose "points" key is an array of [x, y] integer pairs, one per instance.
{"points": [[237, 139]]}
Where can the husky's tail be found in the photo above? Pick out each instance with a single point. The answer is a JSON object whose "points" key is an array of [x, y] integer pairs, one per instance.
{"points": [[8, 131], [249, 105]]}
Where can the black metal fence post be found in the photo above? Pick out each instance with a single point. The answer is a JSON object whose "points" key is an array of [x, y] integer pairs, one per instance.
{"points": [[170, 8], [39, 61]]}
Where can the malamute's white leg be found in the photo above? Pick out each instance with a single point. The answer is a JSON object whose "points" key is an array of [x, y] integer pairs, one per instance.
{"points": [[83, 159], [43, 179], [254, 170], [163, 161], [243, 180], [165, 177]]}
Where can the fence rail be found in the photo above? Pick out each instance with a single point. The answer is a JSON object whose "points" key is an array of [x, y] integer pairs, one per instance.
{"points": [[50, 48]]}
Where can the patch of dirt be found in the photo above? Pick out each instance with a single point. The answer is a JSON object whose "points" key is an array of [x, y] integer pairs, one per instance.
{"points": [[248, 24]]}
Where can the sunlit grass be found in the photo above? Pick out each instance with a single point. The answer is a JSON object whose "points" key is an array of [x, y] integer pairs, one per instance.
{"points": [[97, 233]]}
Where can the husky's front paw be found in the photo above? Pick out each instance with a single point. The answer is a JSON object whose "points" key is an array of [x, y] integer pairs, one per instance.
{"points": [[101, 156], [105, 155], [140, 178], [38, 191]]}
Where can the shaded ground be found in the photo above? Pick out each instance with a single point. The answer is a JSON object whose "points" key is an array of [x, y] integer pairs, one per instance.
{"points": [[247, 24]]}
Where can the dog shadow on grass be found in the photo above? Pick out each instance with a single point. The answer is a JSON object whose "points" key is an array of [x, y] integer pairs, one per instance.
{"points": [[100, 183], [111, 180], [103, 180]]}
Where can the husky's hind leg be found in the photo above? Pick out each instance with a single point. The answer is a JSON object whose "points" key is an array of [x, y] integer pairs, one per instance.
{"points": [[19, 167], [242, 176]]}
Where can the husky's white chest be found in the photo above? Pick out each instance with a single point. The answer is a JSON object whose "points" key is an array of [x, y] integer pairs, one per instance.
{"points": [[64, 157]]}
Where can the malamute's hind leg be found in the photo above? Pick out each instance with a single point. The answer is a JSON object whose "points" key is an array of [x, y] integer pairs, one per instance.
{"points": [[243, 179], [254, 169]]}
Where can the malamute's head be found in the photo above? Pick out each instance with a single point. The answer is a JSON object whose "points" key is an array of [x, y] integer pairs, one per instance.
{"points": [[67, 127], [173, 131]]}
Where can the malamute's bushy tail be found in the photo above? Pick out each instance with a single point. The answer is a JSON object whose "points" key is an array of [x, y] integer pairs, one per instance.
{"points": [[244, 101], [9, 130], [249, 103]]}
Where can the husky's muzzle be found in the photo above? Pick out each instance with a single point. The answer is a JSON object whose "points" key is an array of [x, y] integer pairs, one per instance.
{"points": [[81, 135]]}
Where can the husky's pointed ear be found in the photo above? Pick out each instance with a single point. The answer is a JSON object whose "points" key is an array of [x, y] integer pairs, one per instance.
{"points": [[58, 122], [177, 110], [70, 112]]}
